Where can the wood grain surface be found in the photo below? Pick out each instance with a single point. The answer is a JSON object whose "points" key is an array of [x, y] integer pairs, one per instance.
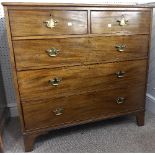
{"points": [[32, 54], [34, 85], [100, 21], [86, 36], [100, 5], [81, 107], [31, 22]]}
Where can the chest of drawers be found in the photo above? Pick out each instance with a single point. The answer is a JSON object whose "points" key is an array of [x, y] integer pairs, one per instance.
{"points": [[77, 63]]}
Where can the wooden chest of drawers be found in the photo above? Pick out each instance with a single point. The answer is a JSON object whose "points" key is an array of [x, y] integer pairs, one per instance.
{"points": [[75, 63]]}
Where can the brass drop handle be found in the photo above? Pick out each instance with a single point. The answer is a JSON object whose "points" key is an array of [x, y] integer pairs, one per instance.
{"points": [[122, 21], [55, 81], [120, 48], [51, 23], [53, 52], [120, 74], [120, 100], [58, 111]]}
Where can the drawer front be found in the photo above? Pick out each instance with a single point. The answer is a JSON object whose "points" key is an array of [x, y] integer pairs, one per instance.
{"points": [[66, 52], [47, 84], [51, 22], [120, 22], [76, 108]]}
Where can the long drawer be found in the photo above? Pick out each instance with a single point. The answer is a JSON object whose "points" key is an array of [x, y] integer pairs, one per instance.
{"points": [[50, 83], [32, 54], [47, 22], [134, 22], [76, 108]]}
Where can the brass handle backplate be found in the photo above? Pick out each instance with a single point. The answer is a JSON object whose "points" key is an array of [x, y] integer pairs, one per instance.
{"points": [[58, 111], [120, 48], [55, 81], [53, 52], [51, 23], [122, 21], [120, 74], [120, 100]]}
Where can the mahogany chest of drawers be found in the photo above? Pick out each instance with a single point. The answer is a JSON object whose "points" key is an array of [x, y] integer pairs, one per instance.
{"points": [[77, 63]]}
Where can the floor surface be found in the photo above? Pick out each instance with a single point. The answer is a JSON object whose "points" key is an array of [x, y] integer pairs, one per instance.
{"points": [[115, 135]]}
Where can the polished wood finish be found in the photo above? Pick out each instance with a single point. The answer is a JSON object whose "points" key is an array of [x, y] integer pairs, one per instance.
{"points": [[27, 22], [86, 64], [75, 5], [87, 106], [100, 21], [32, 54], [140, 116], [75, 80], [29, 141]]}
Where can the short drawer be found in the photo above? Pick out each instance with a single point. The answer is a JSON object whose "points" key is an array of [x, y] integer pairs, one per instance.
{"points": [[51, 22], [120, 22], [51, 83], [32, 54], [77, 108]]}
